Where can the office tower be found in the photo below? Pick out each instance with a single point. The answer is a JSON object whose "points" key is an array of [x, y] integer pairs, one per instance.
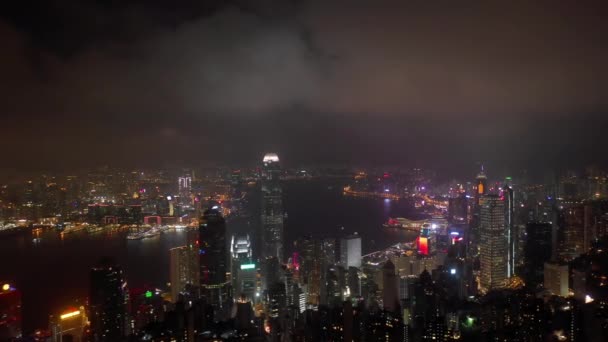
{"points": [[480, 189], [213, 257], [390, 292], [556, 279], [184, 187], [10, 312], [354, 282], [571, 235], [184, 272], [272, 208], [537, 251], [458, 209], [509, 203], [107, 302], [242, 269], [70, 325], [492, 244], [350, 253]]}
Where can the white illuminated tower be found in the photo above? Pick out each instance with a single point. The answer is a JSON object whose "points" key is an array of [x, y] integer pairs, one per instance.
{"points": [[272, 208], [184, 187], [242, 269]]}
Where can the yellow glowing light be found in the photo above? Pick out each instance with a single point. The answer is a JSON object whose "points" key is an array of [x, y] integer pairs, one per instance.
{"points": [[480, 189], [70, 314], [6, 287]]}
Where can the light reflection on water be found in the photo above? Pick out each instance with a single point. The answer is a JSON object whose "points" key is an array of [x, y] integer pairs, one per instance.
{"points": [[55, 271]]}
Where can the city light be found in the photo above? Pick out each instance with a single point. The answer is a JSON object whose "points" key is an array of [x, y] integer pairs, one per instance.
{"points": [[70, 314], [6, 287], [148, 294], [247, 266]]}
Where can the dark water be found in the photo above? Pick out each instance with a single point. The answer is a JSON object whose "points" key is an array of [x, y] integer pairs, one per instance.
{"points": [[54, 272]]}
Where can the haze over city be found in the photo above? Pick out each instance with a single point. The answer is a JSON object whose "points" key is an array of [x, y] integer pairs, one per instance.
{"points": [[292, 170]]}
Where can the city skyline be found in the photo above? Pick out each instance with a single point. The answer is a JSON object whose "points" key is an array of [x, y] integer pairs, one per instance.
{"points": [[303, 170]]}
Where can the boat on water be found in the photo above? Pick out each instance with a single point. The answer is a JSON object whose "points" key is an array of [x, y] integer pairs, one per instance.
{"points": [[144, 234], [92, 229], [404, 223], [152, 233], [135, 236], [73, 227], [11, 229]]}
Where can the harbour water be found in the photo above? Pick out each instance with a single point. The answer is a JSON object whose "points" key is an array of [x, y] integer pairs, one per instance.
{"points": [[53, 271]]}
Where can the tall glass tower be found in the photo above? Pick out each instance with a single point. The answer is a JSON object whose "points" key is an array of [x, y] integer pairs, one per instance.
{"points": [[213, 254], [272, 208], [493, 246], [107, 304]]}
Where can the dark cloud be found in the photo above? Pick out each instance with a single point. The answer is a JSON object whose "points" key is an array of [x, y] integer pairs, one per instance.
{"points": [[326, 80]]}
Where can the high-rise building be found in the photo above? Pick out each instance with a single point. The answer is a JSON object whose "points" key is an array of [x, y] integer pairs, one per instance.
{"points": [[10, 312], [272, 208], [390, 290], [509, 203], [184, 271], [243, 270], [350, 253], [556, 279], [184, 185], [537, 251], [69, 325], [458, 209], [481, 186], [492, 244], [571, 235], [213, 253], [107, 302]]}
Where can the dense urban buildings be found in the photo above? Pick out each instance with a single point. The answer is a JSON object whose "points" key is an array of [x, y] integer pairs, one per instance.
{"points": [[537, 268]]}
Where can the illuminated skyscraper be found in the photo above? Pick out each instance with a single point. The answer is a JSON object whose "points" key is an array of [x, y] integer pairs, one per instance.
{"points": [[242, 270], [107, 302], [492, 244], [213, 258], [272, 208], [571, 235], [481, 186], [350, 251], [184, 185], [509, 203], [10, 312], [184, 271]]}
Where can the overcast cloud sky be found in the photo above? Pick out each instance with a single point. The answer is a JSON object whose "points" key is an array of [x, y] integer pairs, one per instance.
{"points": [[435, 83]]}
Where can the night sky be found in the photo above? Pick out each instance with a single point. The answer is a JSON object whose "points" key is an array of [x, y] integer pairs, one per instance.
{"points": [[431, 83]]}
